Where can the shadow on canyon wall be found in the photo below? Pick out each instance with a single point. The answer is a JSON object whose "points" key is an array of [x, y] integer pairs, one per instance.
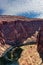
{"points": [[19, 29]]}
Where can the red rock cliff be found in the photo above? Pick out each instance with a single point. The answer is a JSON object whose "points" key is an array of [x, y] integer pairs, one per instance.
{"points": [[14, 28]]}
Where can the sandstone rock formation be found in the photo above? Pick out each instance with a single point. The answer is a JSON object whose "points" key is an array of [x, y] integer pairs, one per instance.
{"points": [[16, 28]]}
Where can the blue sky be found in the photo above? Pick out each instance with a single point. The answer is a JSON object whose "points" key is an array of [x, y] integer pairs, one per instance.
{"points": [[27, 8]]}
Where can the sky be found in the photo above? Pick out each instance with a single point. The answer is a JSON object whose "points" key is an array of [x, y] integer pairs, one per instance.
{"points": [[27, 8]]}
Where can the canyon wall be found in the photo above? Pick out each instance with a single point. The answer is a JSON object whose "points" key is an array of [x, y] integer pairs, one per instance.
{"points": [[18, 28]]}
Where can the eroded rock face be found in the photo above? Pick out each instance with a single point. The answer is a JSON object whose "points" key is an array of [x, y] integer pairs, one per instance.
{"points": [[16, 28], [40, 41]]}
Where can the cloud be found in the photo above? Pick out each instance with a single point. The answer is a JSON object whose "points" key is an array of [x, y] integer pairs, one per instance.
{"points": [[15, 7]]}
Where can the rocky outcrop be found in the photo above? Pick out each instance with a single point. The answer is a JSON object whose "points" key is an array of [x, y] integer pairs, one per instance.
{"points": [[15, 28]]}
